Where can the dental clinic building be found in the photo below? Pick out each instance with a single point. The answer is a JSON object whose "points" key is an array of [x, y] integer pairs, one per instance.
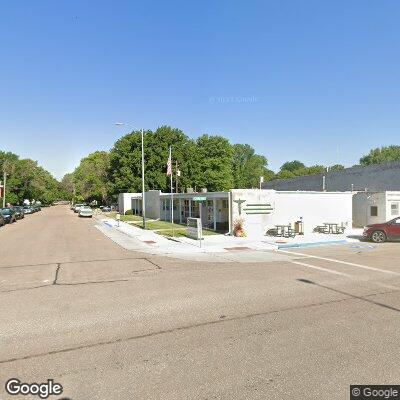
{"points": [[260, 209]]}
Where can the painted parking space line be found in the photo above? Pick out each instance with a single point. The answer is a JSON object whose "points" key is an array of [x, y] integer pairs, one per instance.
{"points": [[385, 271], [331, 271]]}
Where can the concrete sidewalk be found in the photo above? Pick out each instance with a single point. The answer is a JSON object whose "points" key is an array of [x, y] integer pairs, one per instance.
{"points": [[213, 248]]}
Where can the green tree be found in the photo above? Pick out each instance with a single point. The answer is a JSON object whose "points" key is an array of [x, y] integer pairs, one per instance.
{"points": [[27, 180], [183, 150], [248, 167], [214, 157], [315, 169], [381, 155], [91, 176], [336, 167], [67, 186], [292, 166]]}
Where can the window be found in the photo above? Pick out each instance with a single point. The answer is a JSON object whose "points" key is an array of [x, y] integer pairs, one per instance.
{"points": [[394, 207], [374, 211]]}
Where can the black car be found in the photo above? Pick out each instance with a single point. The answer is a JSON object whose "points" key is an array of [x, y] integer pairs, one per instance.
{"points": [[2, 220], [9, 215], [19, 211]]}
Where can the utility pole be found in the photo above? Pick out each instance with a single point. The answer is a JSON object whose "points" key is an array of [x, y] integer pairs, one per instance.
{"points": [[4, 188], [143, 195]]}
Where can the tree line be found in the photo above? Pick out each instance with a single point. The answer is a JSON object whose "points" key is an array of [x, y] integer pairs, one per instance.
{"points": [[27, 180], [210, 161]]}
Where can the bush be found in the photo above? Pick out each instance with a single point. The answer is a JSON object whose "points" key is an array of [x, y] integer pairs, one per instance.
{"points": [[129, 212]]}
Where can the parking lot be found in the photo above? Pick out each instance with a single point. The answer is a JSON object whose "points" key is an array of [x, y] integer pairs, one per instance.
{"points": [[109, 323]]}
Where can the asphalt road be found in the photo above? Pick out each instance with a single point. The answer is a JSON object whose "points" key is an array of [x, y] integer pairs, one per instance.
{"points": [[108, 323]]}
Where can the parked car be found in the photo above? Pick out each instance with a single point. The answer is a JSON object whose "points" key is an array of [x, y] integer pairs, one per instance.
{"points": [[379, 233], [9, 215], [28, 210], [2, 220], [19, 211], [36, 207], [86, 211], [106, 209], [78, 206]]}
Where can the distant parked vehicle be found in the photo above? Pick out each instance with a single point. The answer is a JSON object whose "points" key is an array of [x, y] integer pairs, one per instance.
{"points": [[106, 209], [86, 211], [78, 206], [9, 215], [36, 207], [2, 220], [28, 210], [19, 211], [380, 233]]}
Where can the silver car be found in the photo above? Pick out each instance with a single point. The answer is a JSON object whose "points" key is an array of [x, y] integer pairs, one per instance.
{"points": [[86, 211]]}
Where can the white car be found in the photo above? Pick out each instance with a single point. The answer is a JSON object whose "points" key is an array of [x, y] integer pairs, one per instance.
{"points": [[86, 211], [77, 207]]}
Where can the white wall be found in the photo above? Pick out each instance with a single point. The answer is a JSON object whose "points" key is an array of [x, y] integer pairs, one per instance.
{"points": [[315, 208], [125, 201]]}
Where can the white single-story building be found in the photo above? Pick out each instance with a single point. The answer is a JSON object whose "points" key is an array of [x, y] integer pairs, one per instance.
{"points": [[263, 209], [124, 201], [260, 209], [375, 207], [214, 211]]}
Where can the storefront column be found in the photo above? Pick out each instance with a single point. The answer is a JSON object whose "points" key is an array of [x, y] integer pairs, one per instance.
{"points": [[180, 211]]}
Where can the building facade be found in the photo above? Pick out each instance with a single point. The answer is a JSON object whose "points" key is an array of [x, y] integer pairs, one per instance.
{"points": [[375, 207], [258, 209], [376, 178]]}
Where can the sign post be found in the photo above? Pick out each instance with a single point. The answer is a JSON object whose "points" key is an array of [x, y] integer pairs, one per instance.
{"points": [[200, 199], [118, 218]]}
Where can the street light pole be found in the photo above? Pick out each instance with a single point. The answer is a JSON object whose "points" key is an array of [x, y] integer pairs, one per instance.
{"points": [[143, 193], [4, 188]]}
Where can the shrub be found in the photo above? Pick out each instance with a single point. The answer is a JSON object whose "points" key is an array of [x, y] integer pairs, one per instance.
{"points": [[129, 212]]}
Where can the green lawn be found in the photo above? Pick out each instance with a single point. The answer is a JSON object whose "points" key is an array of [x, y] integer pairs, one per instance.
{"points": [[161, 227]]}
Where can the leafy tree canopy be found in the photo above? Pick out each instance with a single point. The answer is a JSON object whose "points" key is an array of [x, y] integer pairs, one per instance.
{"points": [[381, 155], [27, 180], [90, 178]]}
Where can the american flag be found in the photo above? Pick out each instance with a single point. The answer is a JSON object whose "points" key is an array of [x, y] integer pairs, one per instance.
{"points": [[169, 163]]}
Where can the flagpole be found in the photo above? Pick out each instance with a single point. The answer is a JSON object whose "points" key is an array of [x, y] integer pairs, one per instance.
{"points": [[172, 193]]}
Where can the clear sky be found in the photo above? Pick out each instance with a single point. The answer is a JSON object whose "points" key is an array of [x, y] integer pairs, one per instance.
{"points": [[312, 80]]}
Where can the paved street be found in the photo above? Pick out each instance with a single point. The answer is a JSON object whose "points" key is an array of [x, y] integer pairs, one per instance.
{"points": [[109, 323]]}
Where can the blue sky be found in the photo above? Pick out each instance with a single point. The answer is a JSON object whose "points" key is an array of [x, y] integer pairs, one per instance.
{"points": [[312, 80]]}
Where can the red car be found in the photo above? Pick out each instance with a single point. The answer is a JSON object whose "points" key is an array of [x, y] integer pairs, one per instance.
{"points": [[379, 233]]}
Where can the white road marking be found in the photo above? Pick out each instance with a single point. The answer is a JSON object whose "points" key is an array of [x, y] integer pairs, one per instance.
{"points": [[340, 262], [331, 271]]}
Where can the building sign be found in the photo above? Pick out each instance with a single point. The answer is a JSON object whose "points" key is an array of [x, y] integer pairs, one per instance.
{"points": [[239, 203], [262, 208], [194, 228]]}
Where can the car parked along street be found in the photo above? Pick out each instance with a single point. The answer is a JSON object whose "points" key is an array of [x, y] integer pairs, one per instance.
{"points": [[379, 233], [9, 215], [86, 211], [19, 211]]}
